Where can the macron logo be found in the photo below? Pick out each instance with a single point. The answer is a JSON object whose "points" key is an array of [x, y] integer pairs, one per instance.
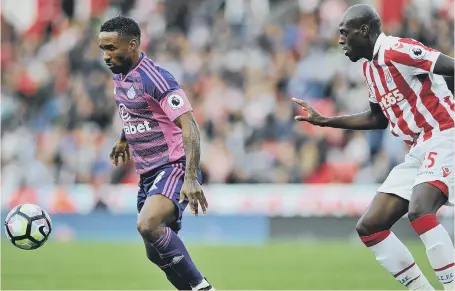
{"points": [[445, 172]]}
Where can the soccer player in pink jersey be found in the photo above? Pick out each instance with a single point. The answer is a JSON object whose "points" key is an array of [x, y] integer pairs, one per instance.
{"points": [[160, 130], [407, 93]]}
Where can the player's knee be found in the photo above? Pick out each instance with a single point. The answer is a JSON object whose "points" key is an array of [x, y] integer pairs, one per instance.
{"points": [[362, 227], [148, 226], [368, 226], [417, 210], [425, 199]]}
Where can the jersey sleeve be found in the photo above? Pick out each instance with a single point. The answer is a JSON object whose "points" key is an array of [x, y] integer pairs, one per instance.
{"points": [[175, 104], [165, 90], [418, 58], [371, 96]]}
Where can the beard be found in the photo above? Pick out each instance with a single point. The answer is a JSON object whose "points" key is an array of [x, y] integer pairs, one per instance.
{"points": [[123, 66]]}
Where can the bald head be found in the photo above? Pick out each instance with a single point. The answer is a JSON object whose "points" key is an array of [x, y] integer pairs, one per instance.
{"points": [[359, 14], [360, 27]]}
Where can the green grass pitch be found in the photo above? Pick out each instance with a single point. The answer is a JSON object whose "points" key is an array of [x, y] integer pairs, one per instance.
{"points": [[294, 266]]}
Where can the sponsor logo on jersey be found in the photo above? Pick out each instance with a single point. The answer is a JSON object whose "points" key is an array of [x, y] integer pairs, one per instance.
{"points": [[129, 127], [123, 111], [140, 127]]}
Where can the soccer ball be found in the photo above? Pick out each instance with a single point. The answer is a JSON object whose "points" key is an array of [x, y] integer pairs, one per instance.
{"points": [[28, 226]]}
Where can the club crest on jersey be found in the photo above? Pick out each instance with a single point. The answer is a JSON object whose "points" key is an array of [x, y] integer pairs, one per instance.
{"points": [[417, 52], [175, 101], [131, 93], [388, 76]]}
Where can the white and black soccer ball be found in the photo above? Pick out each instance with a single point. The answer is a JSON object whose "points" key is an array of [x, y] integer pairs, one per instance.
{"points": [[28, 226]]}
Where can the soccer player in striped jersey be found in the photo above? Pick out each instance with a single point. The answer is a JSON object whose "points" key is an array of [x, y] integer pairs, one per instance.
{"points": [[407, 93], [160, 130]]}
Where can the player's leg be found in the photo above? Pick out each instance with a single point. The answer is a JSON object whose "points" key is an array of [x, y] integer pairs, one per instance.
{"points": [[374, 231], [152, 254], [157, 212], [172, 275], [433, 188], [425, 202]]}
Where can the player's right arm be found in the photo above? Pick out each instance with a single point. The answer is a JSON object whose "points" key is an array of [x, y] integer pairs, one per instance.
{"points": [[373, 118], [120, 149]]}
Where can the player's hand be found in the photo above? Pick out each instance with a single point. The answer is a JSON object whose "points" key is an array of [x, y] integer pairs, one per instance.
{"points": [[312, 115], [120, 149], [193, 191]]}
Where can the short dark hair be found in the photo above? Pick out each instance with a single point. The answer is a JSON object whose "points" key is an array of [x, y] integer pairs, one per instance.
{"points": [[123, 26]]}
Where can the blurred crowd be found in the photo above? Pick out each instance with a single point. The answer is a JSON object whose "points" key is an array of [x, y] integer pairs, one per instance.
{"points": [[240, 62]]}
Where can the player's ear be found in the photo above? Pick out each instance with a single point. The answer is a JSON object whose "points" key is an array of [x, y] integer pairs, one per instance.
{"points": [[364, 30], [133, 45]]}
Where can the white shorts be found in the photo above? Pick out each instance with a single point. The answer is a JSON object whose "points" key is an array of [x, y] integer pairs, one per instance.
{"points": [[431, 160]]}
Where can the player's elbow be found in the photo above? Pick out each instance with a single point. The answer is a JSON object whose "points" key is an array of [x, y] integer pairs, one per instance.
{"points": [[383, 123], [380, 122]]}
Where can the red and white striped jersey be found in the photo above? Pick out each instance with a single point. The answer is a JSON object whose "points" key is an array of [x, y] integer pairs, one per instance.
{"points": [[400, 78]]}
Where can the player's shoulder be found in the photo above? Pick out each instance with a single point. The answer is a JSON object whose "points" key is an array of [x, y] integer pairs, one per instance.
{"points": [[156, 80], [394, 43], [402, 47]]}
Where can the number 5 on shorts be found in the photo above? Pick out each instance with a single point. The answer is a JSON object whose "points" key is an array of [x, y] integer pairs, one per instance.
{"points": [[430, 159]]}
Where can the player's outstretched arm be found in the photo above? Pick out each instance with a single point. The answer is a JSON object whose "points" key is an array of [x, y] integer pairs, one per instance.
{"points": [[192, 146], [370, 119], [444, 66]]}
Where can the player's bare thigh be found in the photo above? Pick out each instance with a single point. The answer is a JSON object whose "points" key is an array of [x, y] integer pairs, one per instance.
{"points": [[383, 212], [156, 212], [425, 199]]}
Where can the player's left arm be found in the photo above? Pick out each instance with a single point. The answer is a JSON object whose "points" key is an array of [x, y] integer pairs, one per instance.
{"points": [[178, 109], [444, 65], [191, 143], [192, 147]]}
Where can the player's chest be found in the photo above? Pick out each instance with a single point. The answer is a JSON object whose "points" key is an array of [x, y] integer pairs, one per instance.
{"points": [[130, 95], [131, 100], [385, 84]]}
